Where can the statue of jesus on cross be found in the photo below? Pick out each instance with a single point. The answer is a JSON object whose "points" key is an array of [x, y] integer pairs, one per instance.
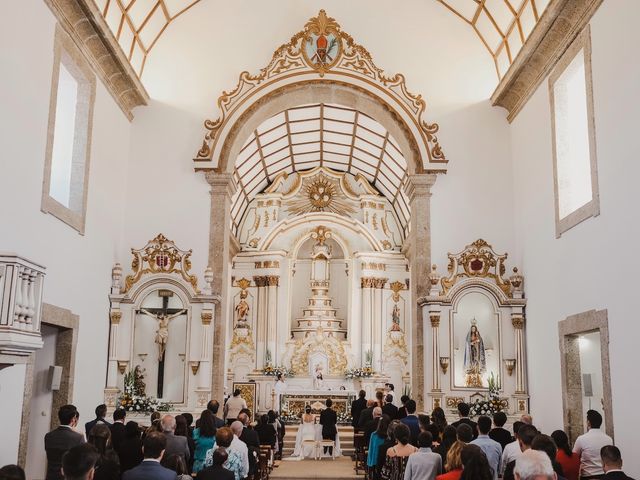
{"points": [[162, 334]]}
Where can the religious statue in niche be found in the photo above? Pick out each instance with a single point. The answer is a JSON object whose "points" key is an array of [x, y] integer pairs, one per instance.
{"points": [[318, 381], [474, 356], [162, 334], [395, 319], [242, 310]]}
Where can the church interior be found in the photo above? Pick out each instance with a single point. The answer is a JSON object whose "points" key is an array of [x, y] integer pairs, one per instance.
{"points": [[411, 198]]}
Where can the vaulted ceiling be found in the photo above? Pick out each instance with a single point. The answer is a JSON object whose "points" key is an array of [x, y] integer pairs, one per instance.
{"points": [[501, 25], [327, 135]]}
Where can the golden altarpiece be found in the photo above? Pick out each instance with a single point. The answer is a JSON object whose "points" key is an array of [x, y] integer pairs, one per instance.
{"points": [[161, 328], [476, 340]]}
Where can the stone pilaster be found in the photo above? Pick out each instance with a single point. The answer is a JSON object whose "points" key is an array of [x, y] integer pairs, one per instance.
{"points": [[222, 189], [434, 317], [419, 253], [273, 281], [517, 320]]}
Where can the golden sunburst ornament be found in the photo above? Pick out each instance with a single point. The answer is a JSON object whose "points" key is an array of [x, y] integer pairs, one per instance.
{"points": [[321, 193]]}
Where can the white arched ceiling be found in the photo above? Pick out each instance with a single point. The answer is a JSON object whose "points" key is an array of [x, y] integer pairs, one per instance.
{"points": [[502, 26], [315, 135]]}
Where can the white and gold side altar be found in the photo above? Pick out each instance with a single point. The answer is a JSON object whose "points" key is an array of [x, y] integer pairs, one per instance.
{"points": [[319, 288], [477, 331], [161, 327]]}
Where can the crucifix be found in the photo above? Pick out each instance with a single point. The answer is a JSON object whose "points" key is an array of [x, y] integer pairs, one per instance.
{"points": [[163, 316]]}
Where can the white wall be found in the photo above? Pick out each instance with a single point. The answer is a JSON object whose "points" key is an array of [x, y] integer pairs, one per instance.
{"points": [[78, 267], [591, 266], [11, 391]]}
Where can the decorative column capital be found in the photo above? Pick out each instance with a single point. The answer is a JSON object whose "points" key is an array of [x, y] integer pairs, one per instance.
{"points": [[373, 282], [272, 280], [435, 319], [115, 316], [206, 317], [260, 281], [419, 185], [517, 320], [221, 183]]}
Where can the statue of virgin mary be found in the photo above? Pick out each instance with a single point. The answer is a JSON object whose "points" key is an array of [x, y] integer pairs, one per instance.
{"points": [[474, 355]]}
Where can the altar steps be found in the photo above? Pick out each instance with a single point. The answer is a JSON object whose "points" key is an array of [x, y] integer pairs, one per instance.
{"points": [[345, 433]]}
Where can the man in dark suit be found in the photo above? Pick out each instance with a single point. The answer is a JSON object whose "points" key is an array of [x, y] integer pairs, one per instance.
{"points": [[175, 444], [61, 439], [213, 406], [101, 413], [389, 408], [463, 411], [366, 415], [357, 406], [402, 411], [79, 462], [117, 428], [612, 463], [498, 433], [252, 439], [217, 471], [411, 421], [328, 420], [150, 468]]}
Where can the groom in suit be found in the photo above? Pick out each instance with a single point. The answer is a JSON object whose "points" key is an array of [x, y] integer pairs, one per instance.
{"points": [[328, 420]]}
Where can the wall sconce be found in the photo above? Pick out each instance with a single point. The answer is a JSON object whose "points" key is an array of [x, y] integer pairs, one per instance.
{"points": [[195, 365], [142, 356], [122, 366], [510, 363], [444, 364]]}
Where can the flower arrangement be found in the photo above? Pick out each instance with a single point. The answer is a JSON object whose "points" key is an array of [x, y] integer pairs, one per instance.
{"points": [[344, 418], [275, 370], [134, 398], [490, 405], [361, 372]]}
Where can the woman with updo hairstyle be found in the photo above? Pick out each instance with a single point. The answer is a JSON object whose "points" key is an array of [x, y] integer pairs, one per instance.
{"points": [[398, 455]]}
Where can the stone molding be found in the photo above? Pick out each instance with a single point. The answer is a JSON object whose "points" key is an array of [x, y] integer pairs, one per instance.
{"points": [[559, 25], [82, 20], [569, 330]]}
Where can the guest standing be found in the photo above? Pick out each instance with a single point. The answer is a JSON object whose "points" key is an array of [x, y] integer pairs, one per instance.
{"points": [[439, 419], [108, 464], [176, 463], [499, 433], [612, 463], [233, 407], [491, 448], [150, 468], [569, 461], [357, 406], [411, 421], [424, 464], [453, 465], [463, 411], [130, 451], [375, 442], [101, 413], [217, 471], [449, 437], [182, 430], [61, 439], [389, 408], [117, 427], [398, 455], [588, 446], [79, 462], [204, 436], [474, 463], [266, 431], [213, 406]]}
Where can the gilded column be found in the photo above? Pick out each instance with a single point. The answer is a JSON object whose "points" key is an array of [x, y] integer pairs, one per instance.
{"points": [[434, 316], [222, 189], [367, 284], [419, 193], [272, 283], [517, 320]]}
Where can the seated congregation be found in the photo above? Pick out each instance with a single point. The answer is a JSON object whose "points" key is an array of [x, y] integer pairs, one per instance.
{"points": [[390, 443]]}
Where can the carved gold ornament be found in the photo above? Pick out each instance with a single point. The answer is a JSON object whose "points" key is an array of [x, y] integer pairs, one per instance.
{"points": [[320, 48], [320, 194], [477, 260], [452, 402], [115, 315], [160, 255], [396, 288], [206, 317]]}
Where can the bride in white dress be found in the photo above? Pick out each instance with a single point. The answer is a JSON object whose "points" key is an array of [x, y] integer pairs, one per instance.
{"points": [[306, 438]]}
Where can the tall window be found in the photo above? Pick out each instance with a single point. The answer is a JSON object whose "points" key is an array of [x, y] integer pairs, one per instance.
{"points": [[574, 150], [69, 135]]}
